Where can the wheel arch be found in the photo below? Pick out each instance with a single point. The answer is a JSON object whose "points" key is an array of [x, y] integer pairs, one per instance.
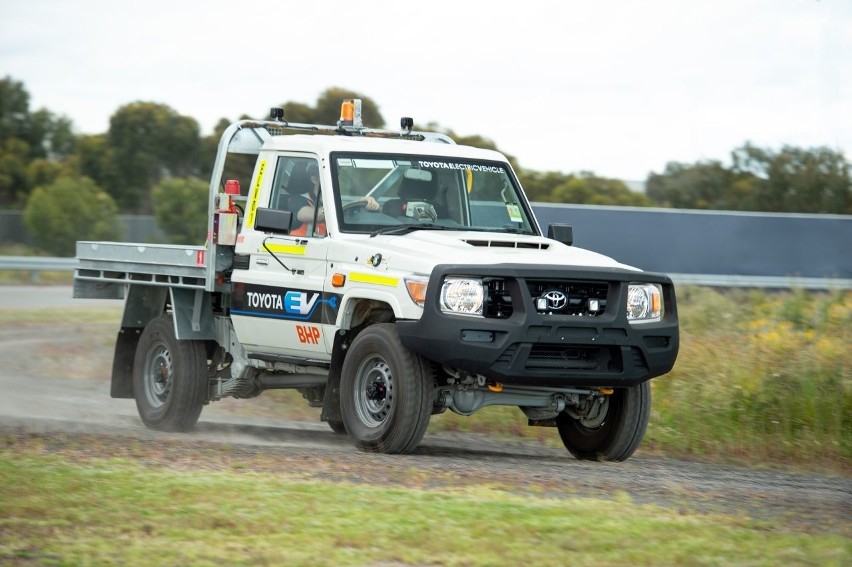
{"points": [[359, 311], [356, 313]]}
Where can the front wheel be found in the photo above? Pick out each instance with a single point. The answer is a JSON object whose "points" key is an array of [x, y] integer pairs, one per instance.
{"points": [[169, 377], [385, 392], [615, 433]]}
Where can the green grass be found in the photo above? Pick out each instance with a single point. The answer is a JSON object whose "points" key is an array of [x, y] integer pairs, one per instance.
{"points": [[760, 377], [98, 511], [68, 315]]}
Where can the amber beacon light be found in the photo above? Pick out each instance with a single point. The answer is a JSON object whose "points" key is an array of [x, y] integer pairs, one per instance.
{"points": [[350, 113]]}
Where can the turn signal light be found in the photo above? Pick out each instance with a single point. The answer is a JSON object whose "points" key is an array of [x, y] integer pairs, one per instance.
{"points": [[417, 290]]}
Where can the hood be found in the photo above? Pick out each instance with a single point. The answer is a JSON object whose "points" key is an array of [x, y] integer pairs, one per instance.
{"points": [[415, 249]]}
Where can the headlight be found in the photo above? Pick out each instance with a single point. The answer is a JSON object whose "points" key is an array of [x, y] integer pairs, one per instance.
{"points": [[644, 303], [462, 295]]}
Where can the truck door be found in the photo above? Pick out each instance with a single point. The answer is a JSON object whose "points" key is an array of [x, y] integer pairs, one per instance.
{"points": [[278, 305]]}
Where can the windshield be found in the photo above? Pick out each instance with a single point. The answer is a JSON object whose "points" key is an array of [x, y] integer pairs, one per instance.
{"points": [[393, 194]]}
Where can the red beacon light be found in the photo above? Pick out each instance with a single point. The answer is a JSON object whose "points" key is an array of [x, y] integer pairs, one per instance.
{"points": [[350, 113], [232, 187], [226, 199]]}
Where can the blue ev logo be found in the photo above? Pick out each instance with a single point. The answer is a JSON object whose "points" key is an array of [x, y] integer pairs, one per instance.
{"points": [[300, 305]]}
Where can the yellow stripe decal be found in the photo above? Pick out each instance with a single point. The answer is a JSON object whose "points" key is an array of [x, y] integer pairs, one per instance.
{"points": [[373, 279], [255, 193], [294, 249]]}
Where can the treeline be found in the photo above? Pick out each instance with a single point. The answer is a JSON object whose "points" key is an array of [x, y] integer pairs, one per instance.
{"points": [[150, 149]]}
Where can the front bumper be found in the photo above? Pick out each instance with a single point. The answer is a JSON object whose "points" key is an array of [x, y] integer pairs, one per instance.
{"points": [[541, 349]]}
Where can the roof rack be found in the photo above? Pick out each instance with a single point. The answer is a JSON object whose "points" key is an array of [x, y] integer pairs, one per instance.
{"points": [[246, 136]]}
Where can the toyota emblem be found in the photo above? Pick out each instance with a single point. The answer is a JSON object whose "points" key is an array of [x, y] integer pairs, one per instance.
{"points": [[555, 299]]}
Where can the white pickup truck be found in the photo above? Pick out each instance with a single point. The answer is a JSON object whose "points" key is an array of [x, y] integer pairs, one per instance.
{"points": [[388, 276]]}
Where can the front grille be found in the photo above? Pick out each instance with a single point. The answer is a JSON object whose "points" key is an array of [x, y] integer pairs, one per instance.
{"points": [[549, 297], [564, 297]]}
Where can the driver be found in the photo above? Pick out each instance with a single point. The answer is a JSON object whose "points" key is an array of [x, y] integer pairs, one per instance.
{"points": [[305, 204]]}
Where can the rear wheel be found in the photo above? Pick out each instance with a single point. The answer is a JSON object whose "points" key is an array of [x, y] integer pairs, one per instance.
{"points": [[169, 377], [615, 432], [385, 392]]}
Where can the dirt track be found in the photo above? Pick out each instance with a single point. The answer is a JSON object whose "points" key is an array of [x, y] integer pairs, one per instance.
{"points": [[55, 388]]}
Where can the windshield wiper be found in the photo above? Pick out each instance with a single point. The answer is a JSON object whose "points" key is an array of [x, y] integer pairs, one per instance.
{"points": [[406, 228], [511, 230]]}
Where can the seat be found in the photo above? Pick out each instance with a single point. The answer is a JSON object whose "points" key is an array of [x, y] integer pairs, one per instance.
{"points": [[300, 179], [416, 185], [298, 185]]}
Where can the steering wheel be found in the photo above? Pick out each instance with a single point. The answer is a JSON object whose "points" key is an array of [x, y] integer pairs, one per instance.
{"points": [[355, 207]]}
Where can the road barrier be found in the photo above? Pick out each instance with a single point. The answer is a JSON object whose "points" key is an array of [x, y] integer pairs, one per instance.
{"points": [[36, 264]]}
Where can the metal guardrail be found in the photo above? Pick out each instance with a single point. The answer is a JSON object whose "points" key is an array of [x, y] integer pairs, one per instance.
{"points": [[35, 264], [769, 282]]}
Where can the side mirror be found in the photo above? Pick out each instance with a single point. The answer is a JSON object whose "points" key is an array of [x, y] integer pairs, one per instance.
{"points": [[563, 233], [273, 220]]}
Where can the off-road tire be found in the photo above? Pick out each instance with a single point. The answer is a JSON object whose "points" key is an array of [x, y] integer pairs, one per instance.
{"points": [[169, 377], [385, 392], [621, 431]]}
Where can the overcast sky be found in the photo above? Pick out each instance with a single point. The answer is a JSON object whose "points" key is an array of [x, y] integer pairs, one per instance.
{"points": [[617, 87]]}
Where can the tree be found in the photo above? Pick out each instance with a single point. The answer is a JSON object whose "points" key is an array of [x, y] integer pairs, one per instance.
{"points": [[180, 209], [539, 185], [816, 180], [147, 142], [237, 166], [702, 185], [67, 210], [14, 110], [300, 112], [589, 189], [26, 136], [14, 156], [41, 172], [799, 180]]}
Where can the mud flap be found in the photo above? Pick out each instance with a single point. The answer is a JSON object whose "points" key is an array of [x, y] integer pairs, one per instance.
{"points": [[122, 362], [331, 399]]}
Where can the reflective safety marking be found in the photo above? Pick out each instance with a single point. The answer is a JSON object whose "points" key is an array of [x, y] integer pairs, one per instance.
{"points": [[293, 249], [255, 193], [373, 279]]}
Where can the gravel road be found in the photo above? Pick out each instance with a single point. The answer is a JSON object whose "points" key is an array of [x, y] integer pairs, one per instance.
{"points": [[55, 383]]}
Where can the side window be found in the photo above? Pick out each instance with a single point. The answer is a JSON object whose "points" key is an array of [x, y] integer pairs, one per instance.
{"points": [[293, 190], [291, 180]]}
